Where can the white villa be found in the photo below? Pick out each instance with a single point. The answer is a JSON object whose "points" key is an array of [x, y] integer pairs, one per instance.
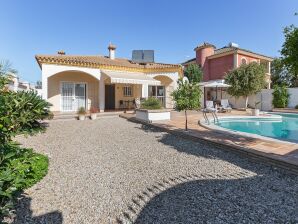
{"points": [[104, 82]]}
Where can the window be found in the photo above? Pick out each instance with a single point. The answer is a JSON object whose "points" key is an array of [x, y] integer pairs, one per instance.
{"points": [[243, 61], [157, 92], [127, 91]]}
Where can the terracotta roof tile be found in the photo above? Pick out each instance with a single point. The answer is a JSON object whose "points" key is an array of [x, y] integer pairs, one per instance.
{"points": [[95, 60], [225, 50], [228, 49]]}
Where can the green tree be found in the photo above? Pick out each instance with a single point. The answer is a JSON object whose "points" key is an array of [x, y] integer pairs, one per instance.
{"points": [[20, 112], [280, 75], [187, 97], [194, 73], [289, 52], [246, 80], [280, 96]]}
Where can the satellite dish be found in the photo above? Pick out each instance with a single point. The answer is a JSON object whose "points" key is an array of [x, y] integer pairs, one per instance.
{"points": [[185, 79]]}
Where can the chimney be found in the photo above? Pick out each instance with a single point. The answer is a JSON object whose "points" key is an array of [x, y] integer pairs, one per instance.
{"points": [[61, 52], [202, 52], [112, 50]]}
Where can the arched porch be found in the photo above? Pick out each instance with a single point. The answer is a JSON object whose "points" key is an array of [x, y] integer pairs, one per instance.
{"points": [[163, 91], [69, 90]]}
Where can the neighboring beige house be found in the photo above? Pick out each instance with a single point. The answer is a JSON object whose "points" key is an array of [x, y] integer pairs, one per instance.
{"points": [[104, 82], [16, 84]]}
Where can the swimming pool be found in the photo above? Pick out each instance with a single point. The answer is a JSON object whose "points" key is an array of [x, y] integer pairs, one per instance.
{"points": [[282, 127]]}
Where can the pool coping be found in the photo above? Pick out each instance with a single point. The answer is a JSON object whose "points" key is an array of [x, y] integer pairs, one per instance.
{"points": [[214, 127], [250, 153]]}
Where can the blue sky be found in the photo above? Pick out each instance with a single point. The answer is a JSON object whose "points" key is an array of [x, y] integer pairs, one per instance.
{"points": [[171, 28]]}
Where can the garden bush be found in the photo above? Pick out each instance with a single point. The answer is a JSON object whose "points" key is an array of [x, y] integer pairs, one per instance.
{"points": [[20, 168], [20, 113], [280, 97], [151, 104]]}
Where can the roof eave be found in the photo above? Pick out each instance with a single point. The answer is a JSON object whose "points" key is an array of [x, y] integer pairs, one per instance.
{"points": [[254, 54], [240, 51], [36, 58], [174, 67]]}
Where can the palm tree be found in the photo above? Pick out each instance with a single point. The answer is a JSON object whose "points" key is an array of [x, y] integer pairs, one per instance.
{"points": [[6, 72], [6, 68]]}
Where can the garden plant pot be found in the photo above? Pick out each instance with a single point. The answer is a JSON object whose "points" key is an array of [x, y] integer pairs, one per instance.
{"points": [[153, 115], [93, 116], [81, 117], [256, 112]]}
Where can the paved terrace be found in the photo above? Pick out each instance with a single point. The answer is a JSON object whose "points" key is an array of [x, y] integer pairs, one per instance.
{"points": [[282, 151], [114, 171]]}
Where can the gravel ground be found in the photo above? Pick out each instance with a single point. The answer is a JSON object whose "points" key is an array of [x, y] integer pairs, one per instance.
{"points": [[114, 171]]}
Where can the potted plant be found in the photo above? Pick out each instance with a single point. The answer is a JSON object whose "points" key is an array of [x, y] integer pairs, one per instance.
{"points": [[255, 110], [151, 110], [81, 113], [93, 113]]}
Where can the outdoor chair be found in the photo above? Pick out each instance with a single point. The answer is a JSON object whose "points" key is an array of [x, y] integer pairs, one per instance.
{"points": [[225, 105], [137, 103], [210, 106], [121, 104]]}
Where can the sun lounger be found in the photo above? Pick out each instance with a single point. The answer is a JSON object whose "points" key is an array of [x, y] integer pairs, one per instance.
{"points": [[225, 105]]}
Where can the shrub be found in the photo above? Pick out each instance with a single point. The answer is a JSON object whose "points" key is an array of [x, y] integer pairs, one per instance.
{"points": [[20, 168], [81, 111], [296, 107], [20, 113], [280, 97], [151, 104]]}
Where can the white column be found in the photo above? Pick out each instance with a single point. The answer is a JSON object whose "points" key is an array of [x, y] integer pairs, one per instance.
{"points": [[44, 85], [269, 67], [144, 90], [102, 93]]}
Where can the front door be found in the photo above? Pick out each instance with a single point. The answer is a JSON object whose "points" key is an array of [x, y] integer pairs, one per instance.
{"points": [[73, 96], [109, 97]]}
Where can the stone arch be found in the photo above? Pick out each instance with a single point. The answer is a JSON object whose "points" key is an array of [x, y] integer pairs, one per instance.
{"points": [[169, 82], [51, 70]]}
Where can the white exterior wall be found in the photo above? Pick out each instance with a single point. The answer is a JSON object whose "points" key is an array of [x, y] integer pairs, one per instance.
{"points": [[49, 70], [293, 97], [265, 97]]}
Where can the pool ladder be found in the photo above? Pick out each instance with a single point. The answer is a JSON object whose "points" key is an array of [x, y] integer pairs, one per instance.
{"points": [[213, 112]]}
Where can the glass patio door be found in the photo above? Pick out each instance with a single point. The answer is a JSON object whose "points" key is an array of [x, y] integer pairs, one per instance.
{"points": [[73, 96], [157, 92]]}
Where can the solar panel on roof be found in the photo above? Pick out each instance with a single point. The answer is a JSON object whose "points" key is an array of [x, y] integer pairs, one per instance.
{"points": [[137, 56], [148, 55], [143, 56]]}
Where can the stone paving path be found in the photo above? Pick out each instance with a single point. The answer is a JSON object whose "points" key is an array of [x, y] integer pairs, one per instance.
{"points": [[286, 152], [114, 171]]}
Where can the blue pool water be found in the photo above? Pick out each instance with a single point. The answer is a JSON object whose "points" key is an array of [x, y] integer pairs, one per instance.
{"points": [[284, 128]]}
